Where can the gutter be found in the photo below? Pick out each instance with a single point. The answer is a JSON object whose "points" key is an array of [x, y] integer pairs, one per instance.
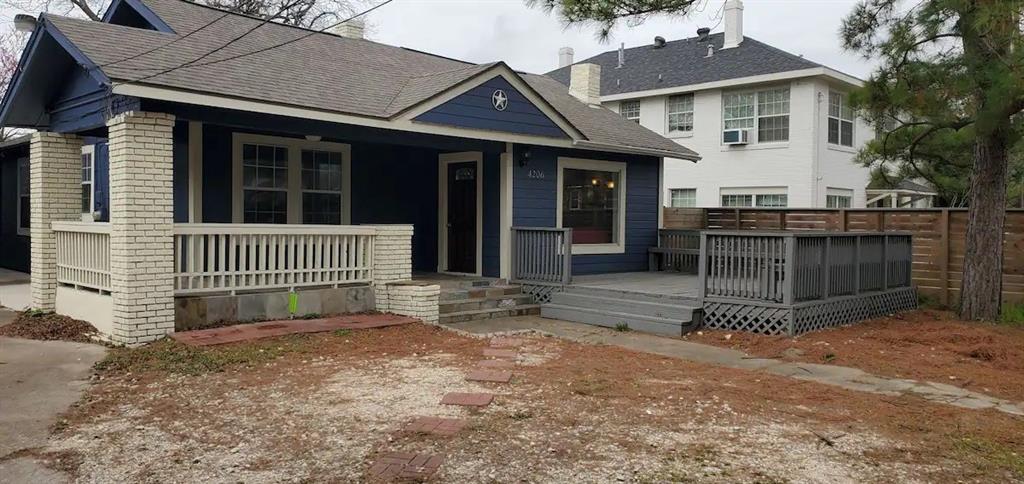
{"points": [[633, 150]]}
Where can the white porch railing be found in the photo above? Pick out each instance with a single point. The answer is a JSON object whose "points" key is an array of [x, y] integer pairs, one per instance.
{"points": [[249, 257], [83, 254]]}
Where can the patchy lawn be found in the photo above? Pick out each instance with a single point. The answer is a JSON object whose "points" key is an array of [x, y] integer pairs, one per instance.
{"points": [[921, 345], [323, 407]]}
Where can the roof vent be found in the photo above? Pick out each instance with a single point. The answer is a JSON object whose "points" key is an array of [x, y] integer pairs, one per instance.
{"points": [[711, 51], [703, 33], [659, 42], [622, 55]]}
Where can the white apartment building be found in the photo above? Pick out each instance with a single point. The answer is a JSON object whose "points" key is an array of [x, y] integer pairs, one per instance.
{"points": [[773, 129]]}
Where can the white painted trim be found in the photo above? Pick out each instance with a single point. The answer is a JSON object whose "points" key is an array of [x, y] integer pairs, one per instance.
{"points": [[619, 246], [517, 82], [91, 151], [505, 222], [295, 147], [740, 81], [443, 160], [195, 172], [187, 97]]}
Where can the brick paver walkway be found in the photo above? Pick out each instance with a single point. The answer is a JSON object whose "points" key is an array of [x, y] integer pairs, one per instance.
{"points": [[495, 376], [445, 427], [495, 364], [404, 465], [246, 332], [499, 353], [467, 399]]}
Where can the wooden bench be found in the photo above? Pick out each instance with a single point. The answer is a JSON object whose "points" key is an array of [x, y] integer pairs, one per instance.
{"points": [[657, 258]]}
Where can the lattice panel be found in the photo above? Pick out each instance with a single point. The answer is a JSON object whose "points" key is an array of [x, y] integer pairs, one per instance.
{"points": [[541, 293], [743, 317], [845, 311]]}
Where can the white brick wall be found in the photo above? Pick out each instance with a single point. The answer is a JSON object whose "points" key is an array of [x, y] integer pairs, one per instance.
{"points": [[56, 194], [392, 259], [142, 226], [420, 301]]}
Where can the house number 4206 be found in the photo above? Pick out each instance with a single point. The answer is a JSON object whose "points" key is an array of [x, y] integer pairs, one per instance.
{"points": [[536, 174]]}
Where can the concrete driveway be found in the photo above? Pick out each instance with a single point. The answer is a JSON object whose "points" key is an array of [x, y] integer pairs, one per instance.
{"points": [[39, 380]]}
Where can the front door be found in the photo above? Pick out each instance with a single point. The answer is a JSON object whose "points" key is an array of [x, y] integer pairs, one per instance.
{"points": [[462, 217]]}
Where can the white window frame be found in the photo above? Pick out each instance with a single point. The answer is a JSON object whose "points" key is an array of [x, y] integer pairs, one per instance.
{"points": [[23, 164], [748, 196], [669, 113], [622, 110], [294, 147], [672, 197], [759, 196], [752, 194], [617, 247], [90, 151], [756, 116], [845, 115], [837, 193]]}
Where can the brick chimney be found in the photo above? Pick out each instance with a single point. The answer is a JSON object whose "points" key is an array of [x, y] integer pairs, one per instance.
{"points": [[352, 29], [733, 24], [585, 83]]}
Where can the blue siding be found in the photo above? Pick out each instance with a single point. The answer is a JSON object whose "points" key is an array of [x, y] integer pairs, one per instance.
{"points": [[180, 178], [216, 174], [491, 257], [101, 177], [134, 13], [473, 109], [535, 205], [14, 247]]}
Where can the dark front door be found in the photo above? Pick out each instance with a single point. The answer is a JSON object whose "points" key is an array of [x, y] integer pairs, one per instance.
{"points": [[462, 217]]}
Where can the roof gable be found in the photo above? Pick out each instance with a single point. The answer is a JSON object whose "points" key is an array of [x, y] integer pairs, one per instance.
{"points": [[476, 109], [134, 13]]}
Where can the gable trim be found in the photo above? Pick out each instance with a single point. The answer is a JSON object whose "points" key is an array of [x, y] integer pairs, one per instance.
{"points": [[140, 8], [506, 73]]}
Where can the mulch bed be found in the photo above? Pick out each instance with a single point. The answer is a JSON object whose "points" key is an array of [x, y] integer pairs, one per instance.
{"points": [[48, 327], [921, 345]]}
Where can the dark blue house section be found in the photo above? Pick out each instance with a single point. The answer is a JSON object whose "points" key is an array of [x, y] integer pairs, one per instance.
{"points": [[534, 204], [14, 248], [474, 109], [134, 13]]}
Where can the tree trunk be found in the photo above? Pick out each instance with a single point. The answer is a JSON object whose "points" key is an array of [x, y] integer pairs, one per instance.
{"points": [[982, 288]]}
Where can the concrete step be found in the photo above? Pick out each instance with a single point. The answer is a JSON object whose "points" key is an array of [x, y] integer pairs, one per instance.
{"points": [[490, 302], [467, 282], [664, 308], [631, 295], [463, 316], [609, 319], [497, 291]]}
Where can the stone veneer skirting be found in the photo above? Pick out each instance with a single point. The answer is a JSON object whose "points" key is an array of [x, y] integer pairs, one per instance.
{"points": [[197, 312]]}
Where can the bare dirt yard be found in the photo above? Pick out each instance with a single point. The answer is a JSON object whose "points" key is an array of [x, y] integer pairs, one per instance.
{"points": [[921, 345], [324, 407]]}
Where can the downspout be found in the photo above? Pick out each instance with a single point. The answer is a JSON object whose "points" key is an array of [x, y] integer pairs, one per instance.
{"points": [[816, 151]]}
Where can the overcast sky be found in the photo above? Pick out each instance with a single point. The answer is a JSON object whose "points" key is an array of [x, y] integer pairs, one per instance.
{"points": [[528, 38]]}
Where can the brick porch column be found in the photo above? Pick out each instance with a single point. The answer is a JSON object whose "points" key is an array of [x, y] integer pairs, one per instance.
{"points": [[392, 260], [55, 177], [141, 226]]}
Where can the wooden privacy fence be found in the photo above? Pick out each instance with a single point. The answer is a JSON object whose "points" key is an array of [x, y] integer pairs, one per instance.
{"points": [[83, 254], [939, 238], [250, 257], [541, 255]]}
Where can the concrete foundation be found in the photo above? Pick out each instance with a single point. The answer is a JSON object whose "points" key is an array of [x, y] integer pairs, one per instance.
{"points": [[200, 312]]}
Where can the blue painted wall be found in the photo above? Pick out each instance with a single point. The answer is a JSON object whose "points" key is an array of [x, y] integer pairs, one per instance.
{"points": [[180, 178], [13, 247], [473, 109], [492, 214], [534, 205]]}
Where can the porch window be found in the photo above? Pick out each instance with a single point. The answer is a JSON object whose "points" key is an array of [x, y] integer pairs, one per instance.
{"points": [[24, 199], [321, 187], [264, 184], [840, 120], [88, 168], [592, 203]]}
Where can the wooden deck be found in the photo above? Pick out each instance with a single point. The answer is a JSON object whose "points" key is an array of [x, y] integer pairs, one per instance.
{"points": [[656, 283]]}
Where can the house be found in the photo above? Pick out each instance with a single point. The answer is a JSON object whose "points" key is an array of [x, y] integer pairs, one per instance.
{"points": [[193, 165], [773, 129], [14, 204]]}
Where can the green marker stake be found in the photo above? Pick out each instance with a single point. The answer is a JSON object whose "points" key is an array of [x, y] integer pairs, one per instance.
{"points": [[293, 303]]}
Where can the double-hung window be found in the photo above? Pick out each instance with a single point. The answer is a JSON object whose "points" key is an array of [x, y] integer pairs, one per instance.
{"points": [[766, 110], [680, 113], [24, 198], [88, 185], [840, 120], [290, 180], [737, 200], [772, 200], [630, 110], [684, 197], [838, 198]]}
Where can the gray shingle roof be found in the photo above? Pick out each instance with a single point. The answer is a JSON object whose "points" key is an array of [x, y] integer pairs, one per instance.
{"points": [[685, 62], [321, 71]]}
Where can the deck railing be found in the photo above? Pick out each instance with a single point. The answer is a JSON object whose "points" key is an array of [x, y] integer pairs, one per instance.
{"points": [[249, 257], [541, 255], [83, 254], [788, 268], [677, 250]]}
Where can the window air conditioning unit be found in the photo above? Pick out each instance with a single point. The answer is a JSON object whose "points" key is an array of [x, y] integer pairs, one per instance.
{"points": [[736, 136]]}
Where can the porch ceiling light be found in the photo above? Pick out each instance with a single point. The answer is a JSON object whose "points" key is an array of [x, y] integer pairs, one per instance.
{"points": [[24, 23]]}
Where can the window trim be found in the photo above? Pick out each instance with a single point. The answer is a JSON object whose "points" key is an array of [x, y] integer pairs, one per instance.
{"points": [[27, 164], [294, 147], [755, 137], [669, 113], [617, 247], [843, 101], [671, 197], [89, 150]]}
